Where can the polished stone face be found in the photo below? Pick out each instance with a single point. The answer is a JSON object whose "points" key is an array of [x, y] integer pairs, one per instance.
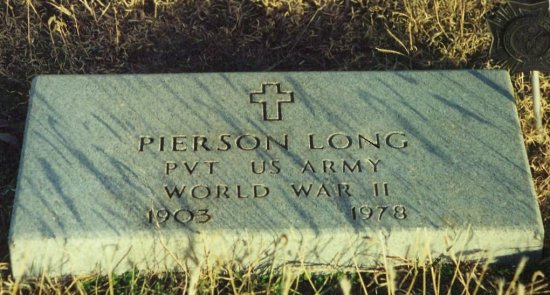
{"points": [[167, 171]]}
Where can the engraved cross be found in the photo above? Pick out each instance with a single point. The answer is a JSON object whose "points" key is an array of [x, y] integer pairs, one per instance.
{"points": [[271, 97]]}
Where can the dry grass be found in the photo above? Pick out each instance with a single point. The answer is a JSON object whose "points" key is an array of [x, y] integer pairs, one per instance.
{"points": [[145, 36]]}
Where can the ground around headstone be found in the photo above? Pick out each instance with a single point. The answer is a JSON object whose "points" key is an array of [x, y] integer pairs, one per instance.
{"points": [[161, 172]]}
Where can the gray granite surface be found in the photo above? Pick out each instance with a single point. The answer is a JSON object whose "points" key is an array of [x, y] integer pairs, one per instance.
{"points": [[161, 172]]}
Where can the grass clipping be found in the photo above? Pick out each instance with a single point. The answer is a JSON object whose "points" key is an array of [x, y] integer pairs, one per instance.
{"points": [[161, 36]]}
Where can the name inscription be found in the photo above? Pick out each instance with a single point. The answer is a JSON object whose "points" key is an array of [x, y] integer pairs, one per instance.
{"points": [[313, 142], [252, 142]]}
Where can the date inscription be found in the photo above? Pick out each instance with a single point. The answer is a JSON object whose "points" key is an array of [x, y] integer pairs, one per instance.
{"points": [[182, 216], [378, 212], [185, 216]]}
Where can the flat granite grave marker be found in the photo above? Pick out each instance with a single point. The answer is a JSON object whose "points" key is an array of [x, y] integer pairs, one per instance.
{"points": [[162, 172]]}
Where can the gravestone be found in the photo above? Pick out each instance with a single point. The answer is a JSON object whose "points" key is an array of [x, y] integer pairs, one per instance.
{"points": [[167, 172]]}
